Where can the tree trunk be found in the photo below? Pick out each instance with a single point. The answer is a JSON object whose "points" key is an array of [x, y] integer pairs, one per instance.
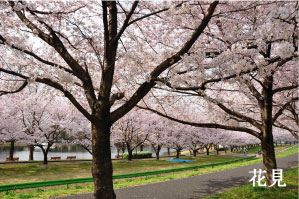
{"points": [[31, 150], [158, 152], [208, 150], [118, 150], [194, 153], [216, 147], [178, 153], [123, 149], [141, 147], [101, 162], [269, 161], [130, 153], [45, 154], [168, 151], [45, 158], [12, 149]]}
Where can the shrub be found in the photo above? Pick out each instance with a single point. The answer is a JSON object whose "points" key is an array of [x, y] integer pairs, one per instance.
{"points": [[139, 155], [221, 149]]}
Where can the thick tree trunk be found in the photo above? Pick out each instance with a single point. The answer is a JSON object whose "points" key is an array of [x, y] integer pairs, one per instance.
{"points": [[269, 161], [178, 153], [130, 156], [130, 152], [168, 151], [158, 152], [12, 149], [45, 153], [207, 150], [45, 158], [31, 150], [216, 147], [101, 162], [194, 153]]}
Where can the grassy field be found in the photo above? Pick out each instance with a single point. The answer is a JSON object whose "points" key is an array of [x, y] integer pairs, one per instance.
{"points": [[47, 192], [18, 173], [255, 150], [290, 177]]}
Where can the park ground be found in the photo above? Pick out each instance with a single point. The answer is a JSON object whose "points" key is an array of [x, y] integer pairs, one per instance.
{"points": [[290, 177], [16, 173]]}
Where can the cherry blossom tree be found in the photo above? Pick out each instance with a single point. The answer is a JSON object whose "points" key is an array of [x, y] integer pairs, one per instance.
{"points": [[176, 137], [79, 130], [129, 130], [157, 128], [106, 57], [194, 140], [283, 136], [43, 121], [75, 48], [10, 127], [250, 74]]}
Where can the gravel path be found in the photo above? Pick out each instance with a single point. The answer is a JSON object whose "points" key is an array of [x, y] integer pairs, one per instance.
{"points": [[194, 187]]}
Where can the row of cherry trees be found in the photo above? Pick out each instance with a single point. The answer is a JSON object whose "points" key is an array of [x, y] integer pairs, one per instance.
{"points": [[236, 59], [34, 122], [31, 120]]}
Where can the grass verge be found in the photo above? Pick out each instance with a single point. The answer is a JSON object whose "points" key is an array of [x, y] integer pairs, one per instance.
{"points": [[49, 192], [290, 177], [18, 173]]}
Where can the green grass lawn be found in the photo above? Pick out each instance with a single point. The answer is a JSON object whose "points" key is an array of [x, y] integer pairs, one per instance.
{"points": [[18, 173], [47, 192], [290, 177], [255, 150]]}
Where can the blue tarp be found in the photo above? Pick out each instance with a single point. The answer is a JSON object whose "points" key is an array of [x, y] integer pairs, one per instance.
{"points": [[178, 160]]}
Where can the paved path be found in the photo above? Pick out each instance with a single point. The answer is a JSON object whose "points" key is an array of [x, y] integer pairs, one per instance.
{"points": [[194, 187]]}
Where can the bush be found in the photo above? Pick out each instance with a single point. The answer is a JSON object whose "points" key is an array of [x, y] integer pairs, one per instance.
{"points": [[138, 155], [221, 149]]}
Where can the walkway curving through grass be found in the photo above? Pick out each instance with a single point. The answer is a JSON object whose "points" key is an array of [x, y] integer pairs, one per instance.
{"points": [[52, 192], [197, 186]]}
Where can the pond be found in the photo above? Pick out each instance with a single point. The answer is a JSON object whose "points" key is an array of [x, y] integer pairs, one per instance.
{"points": [[60, 150]]}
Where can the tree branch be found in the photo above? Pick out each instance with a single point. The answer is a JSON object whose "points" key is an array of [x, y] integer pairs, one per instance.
{"points": [[285, 88], [15, 91], [280, 111], [205, 125], [126, 22], [57, 86], [146, 86]]}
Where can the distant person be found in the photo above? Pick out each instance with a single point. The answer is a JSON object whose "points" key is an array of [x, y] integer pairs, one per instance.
{"points": [[259, 153]]}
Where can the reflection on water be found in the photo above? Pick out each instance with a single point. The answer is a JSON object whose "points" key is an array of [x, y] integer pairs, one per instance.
{"points": [[60, 150]]}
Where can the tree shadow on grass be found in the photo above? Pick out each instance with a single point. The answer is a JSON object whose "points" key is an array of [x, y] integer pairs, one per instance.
{"points": [[212, 187]]}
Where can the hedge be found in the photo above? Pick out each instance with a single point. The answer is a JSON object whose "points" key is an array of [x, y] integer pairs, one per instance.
{"points": [[139, 155]]}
